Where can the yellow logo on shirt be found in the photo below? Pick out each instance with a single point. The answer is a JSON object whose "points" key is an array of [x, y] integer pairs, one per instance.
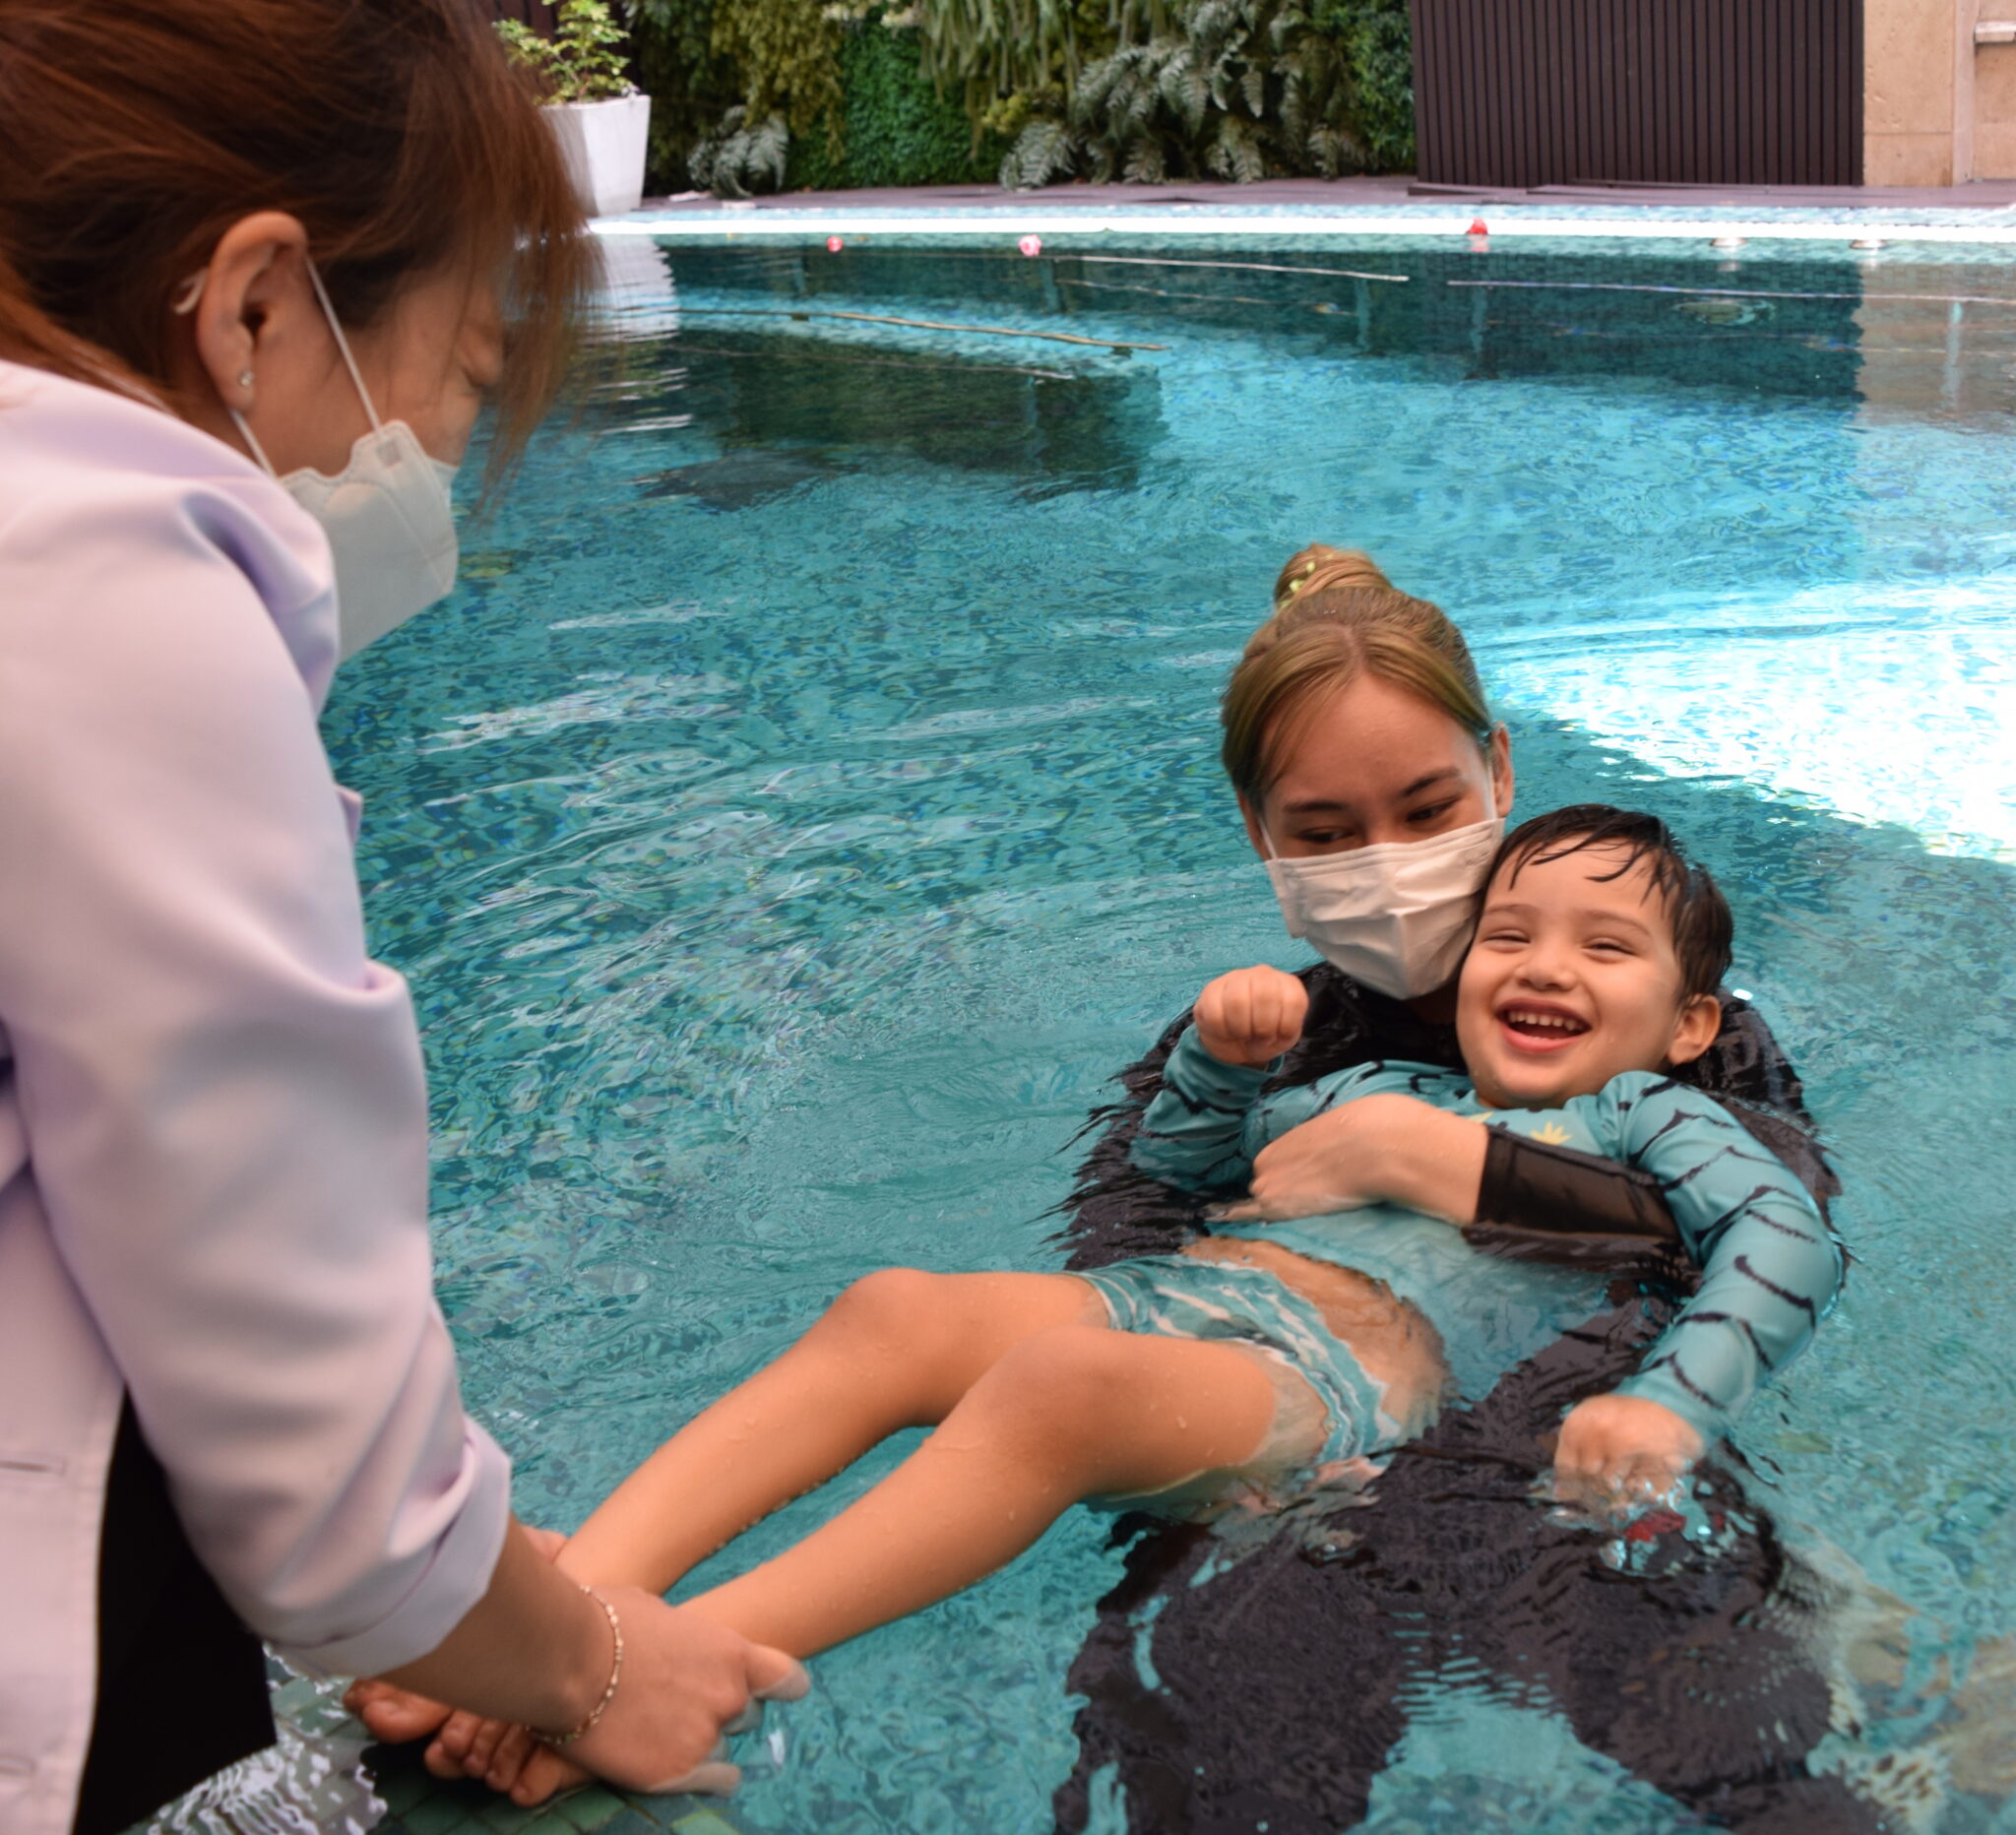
{"points": [[1553, 1134]]}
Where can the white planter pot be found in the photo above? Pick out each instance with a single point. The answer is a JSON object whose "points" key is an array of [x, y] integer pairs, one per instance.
{"points": [[604, 144]]}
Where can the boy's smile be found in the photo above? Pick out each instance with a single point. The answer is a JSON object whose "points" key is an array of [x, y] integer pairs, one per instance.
{"points": [[1572, 978]]}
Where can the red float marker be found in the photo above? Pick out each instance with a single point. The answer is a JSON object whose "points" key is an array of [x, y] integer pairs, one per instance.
{"points": [[834, 244], [1031, 245], [1476, 227]]}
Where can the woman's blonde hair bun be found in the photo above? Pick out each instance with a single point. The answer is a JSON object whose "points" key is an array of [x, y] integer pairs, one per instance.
{"points": [[1337, 617]]}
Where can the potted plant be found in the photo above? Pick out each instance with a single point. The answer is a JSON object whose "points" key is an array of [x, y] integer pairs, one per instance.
{"points": [[602, 122]]}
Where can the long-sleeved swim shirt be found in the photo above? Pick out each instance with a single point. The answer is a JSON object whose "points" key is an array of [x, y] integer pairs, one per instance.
{"points": [[1770, 1265]]}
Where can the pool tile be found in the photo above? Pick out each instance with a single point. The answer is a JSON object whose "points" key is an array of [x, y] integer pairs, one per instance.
{"points": [[633, 1821], [590, 1811], [545, 1820], [400, 1783], [703, 1822], [441, 1813], [502, 1817]]}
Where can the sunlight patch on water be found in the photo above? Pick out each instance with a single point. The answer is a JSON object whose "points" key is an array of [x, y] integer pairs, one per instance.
{"points": [[1883, 707]]}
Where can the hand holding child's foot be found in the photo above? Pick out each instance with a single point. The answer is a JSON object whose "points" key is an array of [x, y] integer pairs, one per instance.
{"points": [[1251, 1016], [396, 1715], [1619, 1450], [686, 1680]]}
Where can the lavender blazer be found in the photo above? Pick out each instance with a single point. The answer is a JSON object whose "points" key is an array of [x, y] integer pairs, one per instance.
{"points": [[213, 1121]]}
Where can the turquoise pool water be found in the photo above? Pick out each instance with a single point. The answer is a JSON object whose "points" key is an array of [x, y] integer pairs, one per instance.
{"points": [[808, 801]]}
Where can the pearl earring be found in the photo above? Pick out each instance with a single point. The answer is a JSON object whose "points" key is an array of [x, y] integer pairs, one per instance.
{"points": [[244, 379]]}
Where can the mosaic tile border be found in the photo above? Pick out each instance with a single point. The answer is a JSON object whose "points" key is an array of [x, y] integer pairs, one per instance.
{"points": [[325, 1777]]}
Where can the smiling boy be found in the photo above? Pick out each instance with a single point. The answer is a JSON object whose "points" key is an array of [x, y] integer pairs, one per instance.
{"points": [[1593, 972]]}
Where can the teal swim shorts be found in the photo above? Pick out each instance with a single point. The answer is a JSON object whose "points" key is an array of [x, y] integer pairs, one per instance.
{"points": [[1180, 1296]]}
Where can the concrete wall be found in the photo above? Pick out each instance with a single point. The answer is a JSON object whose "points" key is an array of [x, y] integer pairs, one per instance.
{"points": [[1938, 109], [1995, 106]]}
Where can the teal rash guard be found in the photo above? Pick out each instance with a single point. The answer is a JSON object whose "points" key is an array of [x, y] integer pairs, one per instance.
{"points": [[1770, 1265]]}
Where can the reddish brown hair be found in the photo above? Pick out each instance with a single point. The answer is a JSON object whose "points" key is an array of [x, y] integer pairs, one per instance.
{"points": [[133, 133]]}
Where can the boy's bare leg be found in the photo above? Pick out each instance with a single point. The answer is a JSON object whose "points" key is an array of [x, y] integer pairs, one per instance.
{"points": [[897, 1349], [1075, 1411]]}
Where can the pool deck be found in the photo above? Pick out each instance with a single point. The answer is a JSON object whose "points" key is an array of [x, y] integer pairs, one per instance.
{"points": [[1980, 212]]}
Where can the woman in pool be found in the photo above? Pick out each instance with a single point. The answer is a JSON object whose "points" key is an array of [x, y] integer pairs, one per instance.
{"points": [[235, 236], [1355, 721]]}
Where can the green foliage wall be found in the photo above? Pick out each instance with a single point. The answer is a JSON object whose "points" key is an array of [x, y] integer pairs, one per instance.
{"points": [[897, 128], [1379, 48], [942, 90]]}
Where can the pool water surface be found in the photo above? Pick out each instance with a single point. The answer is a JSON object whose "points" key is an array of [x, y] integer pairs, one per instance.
{"points": [[808, 801]]}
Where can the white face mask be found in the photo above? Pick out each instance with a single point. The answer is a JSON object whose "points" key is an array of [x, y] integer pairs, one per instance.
{"points": [[1396, 917], [387, 513]]}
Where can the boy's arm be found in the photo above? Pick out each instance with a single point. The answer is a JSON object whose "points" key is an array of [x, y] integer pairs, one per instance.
{"points": [[1193, 1134], [1770, 1266]]}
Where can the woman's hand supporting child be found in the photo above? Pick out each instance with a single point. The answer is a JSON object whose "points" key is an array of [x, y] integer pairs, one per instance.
{"points": [[1381, 1149]]}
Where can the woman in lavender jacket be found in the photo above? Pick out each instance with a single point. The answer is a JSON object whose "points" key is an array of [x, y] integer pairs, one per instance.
{"points": [[257, 259]]}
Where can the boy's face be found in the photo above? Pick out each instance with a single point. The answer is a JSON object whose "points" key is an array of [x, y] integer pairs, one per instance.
{"points": [[1572, 978]]}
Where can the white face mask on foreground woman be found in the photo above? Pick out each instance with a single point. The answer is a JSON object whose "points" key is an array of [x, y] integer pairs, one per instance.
{"points": [[387, 513], [1397, 916]]}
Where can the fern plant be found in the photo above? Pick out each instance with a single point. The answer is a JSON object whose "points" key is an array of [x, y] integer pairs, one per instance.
{"points": [[582, 62], [1230, 89], [1005, 57], [742, 154]]}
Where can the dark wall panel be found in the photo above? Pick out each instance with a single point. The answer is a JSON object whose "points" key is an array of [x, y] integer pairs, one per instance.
{"points": [[539, 15], [1654, 91]]}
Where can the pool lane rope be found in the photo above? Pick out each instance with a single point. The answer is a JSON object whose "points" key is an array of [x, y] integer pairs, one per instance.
{"points": [[1864, 298], [1252, 267], [927, 325]]}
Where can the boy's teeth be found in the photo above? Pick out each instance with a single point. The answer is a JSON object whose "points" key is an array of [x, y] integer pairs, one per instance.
{"points": [[1555, 1022]]}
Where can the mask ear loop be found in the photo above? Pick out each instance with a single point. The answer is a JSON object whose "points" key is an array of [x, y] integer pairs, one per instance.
{"points": [[342, 343]]}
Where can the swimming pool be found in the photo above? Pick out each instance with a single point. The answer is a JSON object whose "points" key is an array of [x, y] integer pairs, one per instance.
{"points": [[809, 799]]}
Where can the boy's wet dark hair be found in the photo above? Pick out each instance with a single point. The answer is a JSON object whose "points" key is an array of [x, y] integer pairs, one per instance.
{"points": [[1696, 910]]}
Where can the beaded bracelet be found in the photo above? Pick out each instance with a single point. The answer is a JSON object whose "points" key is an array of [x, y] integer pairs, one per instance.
{"points": [[602, 1707]]}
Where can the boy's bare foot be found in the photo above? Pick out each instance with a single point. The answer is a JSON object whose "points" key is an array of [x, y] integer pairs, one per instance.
{"points": [[393, 1715], [508, 1758], [545, 1771]]}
